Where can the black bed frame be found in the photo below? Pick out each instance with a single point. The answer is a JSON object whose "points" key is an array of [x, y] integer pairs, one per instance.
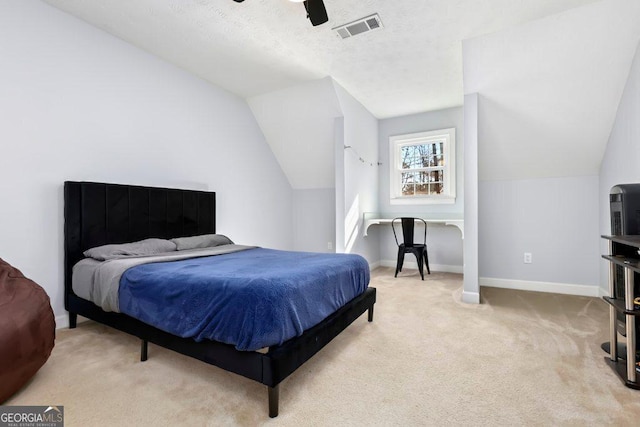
{"points": [[97, 213]]}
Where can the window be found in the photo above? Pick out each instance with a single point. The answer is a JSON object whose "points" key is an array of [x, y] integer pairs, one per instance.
{"points": [[423, 167]]}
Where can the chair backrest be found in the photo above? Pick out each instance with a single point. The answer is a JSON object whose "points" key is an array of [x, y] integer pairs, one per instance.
{"points": [[408, 226]]}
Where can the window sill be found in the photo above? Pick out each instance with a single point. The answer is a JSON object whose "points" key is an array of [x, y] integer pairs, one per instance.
{"points": [[422, 201]]}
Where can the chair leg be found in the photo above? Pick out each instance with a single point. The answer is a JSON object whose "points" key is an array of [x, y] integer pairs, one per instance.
{"points": [[426, 260], [399, 262], [418, 255]]}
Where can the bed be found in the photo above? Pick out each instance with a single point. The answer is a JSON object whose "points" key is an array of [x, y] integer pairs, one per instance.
{"points": [[99, 213]]}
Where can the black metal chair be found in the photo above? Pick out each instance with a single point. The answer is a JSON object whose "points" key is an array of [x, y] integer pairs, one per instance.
{"points": [[409, 246]]}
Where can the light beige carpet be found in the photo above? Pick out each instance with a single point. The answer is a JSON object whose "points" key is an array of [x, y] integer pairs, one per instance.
{"points": [[520, 358]]}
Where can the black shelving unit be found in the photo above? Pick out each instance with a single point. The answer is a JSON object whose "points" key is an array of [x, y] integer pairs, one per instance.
{"points": [[621, 253]]}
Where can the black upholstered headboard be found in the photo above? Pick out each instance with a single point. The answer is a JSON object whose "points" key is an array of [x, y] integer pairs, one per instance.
{"points": [[98, 214]]}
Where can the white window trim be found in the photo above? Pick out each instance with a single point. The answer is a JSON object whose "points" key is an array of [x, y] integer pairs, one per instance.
{"points": [[449, 193]]}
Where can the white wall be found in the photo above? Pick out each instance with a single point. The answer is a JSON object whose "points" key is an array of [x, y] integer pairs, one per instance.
{"points": [[356, 181], [549, 89], [445, 243], [555, 219], [538, 152], [79, 104], [298, 125], [621, 162], [314, 221], [307, 127]]}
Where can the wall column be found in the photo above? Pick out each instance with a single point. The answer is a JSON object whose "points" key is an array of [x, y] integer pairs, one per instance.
{"points": [[471, 285]]}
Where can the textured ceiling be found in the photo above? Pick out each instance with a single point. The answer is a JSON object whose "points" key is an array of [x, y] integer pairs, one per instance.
{"points": [[413, 64]]}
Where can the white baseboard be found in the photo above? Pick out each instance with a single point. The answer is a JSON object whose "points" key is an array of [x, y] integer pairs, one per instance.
{"points": [[62, 322], [414, 265], [603, 292], [551, 287], [471, 297], [374, 265]]}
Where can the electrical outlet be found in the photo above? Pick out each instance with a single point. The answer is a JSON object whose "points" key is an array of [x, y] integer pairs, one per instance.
{"points": [[329, 245], [527, 258]]}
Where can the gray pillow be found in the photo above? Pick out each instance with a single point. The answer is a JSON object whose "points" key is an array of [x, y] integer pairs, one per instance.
{"points": [[202, 241], [141, 248]]}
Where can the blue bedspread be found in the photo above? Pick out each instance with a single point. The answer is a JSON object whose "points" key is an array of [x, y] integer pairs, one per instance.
{"points": [[251, 299]]}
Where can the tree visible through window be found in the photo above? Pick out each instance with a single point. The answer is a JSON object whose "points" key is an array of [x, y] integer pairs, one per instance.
{"points": [[421, 166], [422, 169]]}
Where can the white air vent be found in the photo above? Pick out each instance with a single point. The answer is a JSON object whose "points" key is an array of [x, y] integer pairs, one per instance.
{"points": [[368, 23]]}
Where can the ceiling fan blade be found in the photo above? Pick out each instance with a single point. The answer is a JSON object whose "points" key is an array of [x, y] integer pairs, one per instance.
{"points": [[316, 12]]}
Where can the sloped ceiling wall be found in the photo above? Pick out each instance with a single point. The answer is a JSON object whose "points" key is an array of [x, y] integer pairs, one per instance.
{"points": [[550, 90], [298, 124]]}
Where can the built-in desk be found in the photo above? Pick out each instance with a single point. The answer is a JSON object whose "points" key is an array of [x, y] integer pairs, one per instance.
{"points": [[446, 219]]}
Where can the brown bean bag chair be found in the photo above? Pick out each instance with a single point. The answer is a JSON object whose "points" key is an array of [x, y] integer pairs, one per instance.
{"points": [[27, 329]]}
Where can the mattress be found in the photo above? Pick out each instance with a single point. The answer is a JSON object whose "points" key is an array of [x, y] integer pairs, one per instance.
{"points": [[251, 298], [100, 283], [82, 278]]}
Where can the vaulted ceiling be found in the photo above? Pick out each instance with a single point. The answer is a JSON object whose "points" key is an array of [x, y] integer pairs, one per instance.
{"points": [[550, 90], [413, 64], [550, 73]]}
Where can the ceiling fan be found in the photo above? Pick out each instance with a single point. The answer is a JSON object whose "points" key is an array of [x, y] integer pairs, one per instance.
{"points": [[316, 12]]}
